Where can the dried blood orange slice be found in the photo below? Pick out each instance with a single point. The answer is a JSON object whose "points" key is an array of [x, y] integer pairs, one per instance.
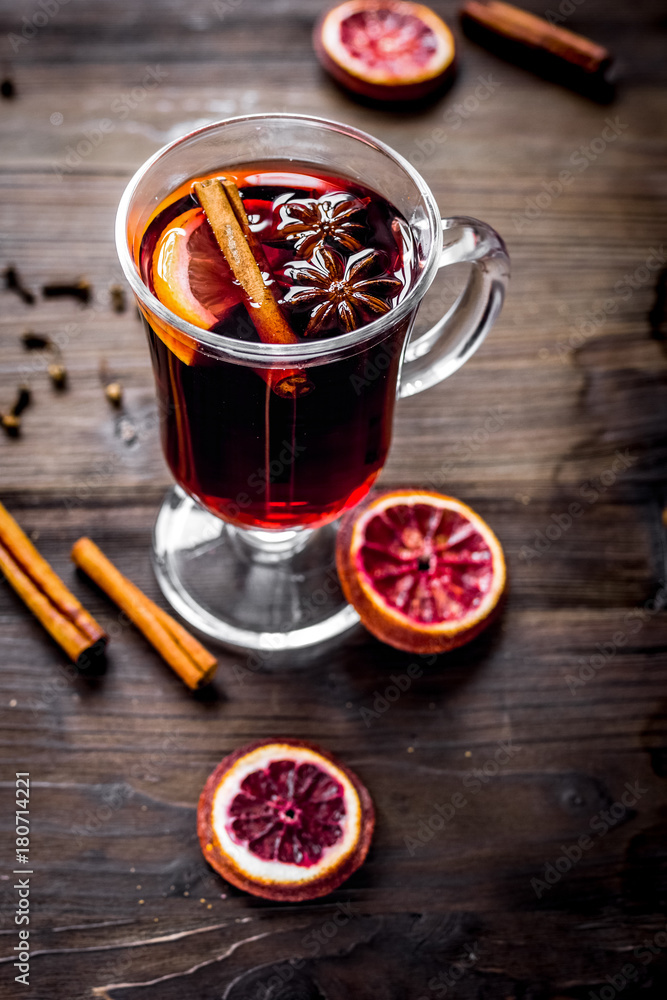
{"points": [[423, 570], [284, 820], [190, 275], [389, 50]]}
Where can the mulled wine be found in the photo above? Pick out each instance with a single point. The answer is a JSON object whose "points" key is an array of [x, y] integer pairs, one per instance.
{"points": [[266, 447]]}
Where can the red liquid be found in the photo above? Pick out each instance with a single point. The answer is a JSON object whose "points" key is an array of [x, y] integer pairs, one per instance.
{"points": [[244, 452]]}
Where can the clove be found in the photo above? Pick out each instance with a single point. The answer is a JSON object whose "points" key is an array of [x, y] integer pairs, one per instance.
{"points": [[80, 290], [58, 374], [14, 283], [35, 341], [114, 393], [22, 402], [41, 342], [11, 422], [118, 299], [113, 389]]}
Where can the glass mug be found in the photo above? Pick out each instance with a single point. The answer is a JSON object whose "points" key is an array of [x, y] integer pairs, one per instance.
{"points": [[244, 544]]}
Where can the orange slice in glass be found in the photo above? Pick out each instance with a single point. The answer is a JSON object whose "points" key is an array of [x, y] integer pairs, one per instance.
{"points": [[190, 275]]}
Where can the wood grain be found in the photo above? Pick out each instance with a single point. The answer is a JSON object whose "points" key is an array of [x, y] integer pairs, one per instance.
{"points": [[573, 676]]}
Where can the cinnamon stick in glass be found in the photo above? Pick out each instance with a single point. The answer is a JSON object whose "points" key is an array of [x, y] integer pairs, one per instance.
{"points": [[224, 210]]}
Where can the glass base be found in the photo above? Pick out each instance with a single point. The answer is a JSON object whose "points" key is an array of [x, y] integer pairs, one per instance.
{"points": [[268, 590]]}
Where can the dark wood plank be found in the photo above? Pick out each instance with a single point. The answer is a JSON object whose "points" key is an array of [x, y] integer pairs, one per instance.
{"points": [[564, 404]]}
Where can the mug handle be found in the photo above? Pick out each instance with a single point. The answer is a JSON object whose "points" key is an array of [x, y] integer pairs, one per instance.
{"points": [[440, 351]]}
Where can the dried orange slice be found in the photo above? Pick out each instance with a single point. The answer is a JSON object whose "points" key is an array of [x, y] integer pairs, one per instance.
{"points": [[284, 820], [424, 571], [388, 50], [190, 275]]}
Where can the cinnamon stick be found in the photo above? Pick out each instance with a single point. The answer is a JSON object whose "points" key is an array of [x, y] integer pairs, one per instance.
{"points": [[19, 546], [226, 215], [45, 594], [184, 654], [78, 647], [238, 208], [546, 48]]}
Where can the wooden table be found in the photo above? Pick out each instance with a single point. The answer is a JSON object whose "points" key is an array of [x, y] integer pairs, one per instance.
{"points": [[572, 680]]}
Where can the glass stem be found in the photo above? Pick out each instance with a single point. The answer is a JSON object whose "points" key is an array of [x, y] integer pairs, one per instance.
{"points": [[267, 547]]}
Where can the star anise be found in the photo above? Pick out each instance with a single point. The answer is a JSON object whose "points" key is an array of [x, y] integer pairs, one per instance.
{"points": [[318, 220], [338, 291]]}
